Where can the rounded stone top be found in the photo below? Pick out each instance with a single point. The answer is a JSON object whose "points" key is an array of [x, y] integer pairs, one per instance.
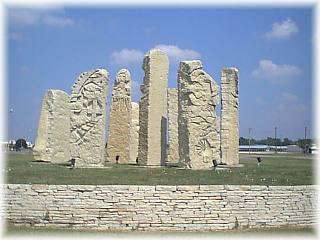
{"points": [[134, 105], [95, 73], [123, 76], [102, 71], [124, 71]]}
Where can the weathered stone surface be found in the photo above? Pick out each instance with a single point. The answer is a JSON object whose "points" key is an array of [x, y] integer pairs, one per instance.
{"points": [[173, 142], [229, 117], [118, 148], [177, 208], [88, 117], [153, 109], [198, 136], [134, 135], [52, 142]]}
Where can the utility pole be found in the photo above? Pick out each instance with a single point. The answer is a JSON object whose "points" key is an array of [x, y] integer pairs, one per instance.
{"points": [[275, 138], [305, 139], [250, 140]]}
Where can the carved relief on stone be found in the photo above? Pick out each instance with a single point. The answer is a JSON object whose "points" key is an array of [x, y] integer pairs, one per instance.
{"points": [[88, 115], [198, 136], [118, 148]]}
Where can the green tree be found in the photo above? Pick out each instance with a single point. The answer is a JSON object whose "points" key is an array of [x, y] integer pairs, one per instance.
{"points": [[20, 144]]}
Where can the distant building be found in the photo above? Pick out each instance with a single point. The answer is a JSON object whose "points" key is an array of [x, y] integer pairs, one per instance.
{"points": [[262, 148], [254, 148], [294, 149], [278, 148]]}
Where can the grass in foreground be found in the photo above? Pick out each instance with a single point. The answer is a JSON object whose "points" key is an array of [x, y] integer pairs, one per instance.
{"points": [[275, 170], [14, 230]]}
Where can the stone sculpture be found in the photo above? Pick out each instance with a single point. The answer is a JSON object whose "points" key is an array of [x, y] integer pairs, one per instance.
{"points": [[118, 148], [197, 98], [88, 117], [134, 135], [52, 142], [173, 142], [153, 109], [229, 117]]}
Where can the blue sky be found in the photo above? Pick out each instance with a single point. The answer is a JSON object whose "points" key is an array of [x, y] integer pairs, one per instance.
{"points": [[272, 47]]}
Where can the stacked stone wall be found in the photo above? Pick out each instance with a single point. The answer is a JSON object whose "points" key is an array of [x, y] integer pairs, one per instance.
{"points": [[157, 208]]}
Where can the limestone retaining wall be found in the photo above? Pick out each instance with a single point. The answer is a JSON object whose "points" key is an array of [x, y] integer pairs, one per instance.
{"points": [[156, 208]]}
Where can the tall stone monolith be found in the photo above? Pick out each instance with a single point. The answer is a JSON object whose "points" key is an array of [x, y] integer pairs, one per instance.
{"points": [[88, 118], [173, 142], [134, 135], [52, 142], [153, 109], [229, 117], [198, 135], [118, 148]]}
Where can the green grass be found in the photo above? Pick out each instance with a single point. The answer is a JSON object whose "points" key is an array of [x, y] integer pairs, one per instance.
{"points": [[279, 169], [17, 230]]}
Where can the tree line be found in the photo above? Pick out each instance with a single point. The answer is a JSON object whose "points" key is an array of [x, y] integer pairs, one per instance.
{"points": [[275, 142]]}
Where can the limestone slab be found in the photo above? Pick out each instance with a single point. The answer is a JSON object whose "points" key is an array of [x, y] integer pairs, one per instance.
{"points": [[153, 109], [173, 142], [88, 118], [197, 99], [52, 142], [118, 147], [134, 132], [229, 132]]}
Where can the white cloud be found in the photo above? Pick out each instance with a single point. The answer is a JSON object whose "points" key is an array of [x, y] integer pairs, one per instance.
{"points": [[178, 54], [126, 56], [32, 17], [282, 30], [289, 104], [57, 21], [275, 73], [24, 17]]}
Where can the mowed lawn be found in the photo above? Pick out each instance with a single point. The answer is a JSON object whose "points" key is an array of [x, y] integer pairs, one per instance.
{"points": [[18, 231], [276, 169]]}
